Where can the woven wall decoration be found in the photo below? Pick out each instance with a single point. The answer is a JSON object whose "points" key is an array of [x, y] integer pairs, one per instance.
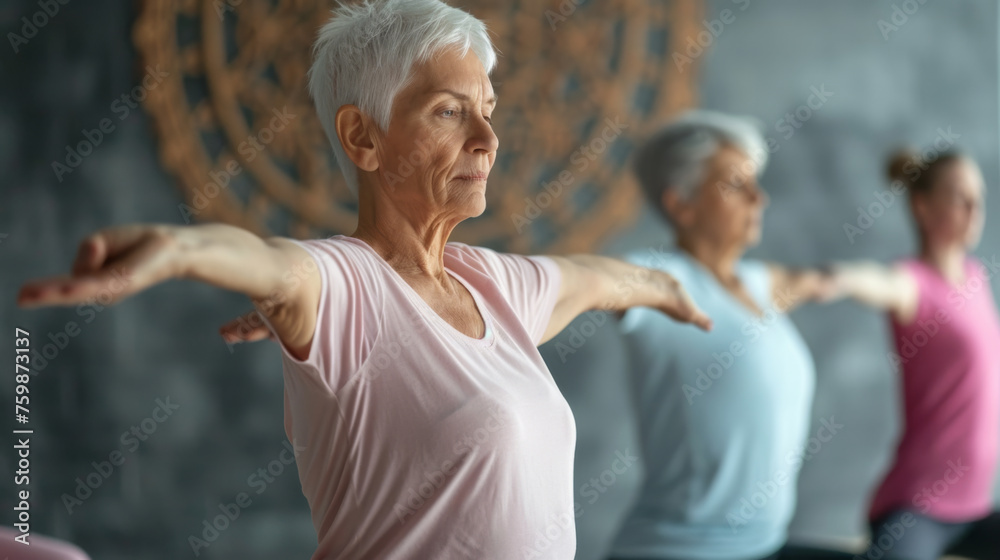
{"points": [[579, 85]]}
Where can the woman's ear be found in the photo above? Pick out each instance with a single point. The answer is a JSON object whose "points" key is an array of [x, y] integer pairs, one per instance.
{"points": [[354, 130], [920, 207], [674, 206]]}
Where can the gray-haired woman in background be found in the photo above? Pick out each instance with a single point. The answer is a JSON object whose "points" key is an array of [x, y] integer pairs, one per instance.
{"points": [[723, 417], [428, 424]]}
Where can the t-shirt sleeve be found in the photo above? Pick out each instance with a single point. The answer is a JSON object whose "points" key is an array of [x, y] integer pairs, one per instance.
{"points": [[529, 284], [343, 314], [918, 276]]}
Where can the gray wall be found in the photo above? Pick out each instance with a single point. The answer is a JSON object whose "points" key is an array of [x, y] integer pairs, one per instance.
{"points": [[938, 70]]}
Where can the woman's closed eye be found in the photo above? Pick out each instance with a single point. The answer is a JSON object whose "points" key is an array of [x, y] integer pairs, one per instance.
{"points": [[451, 113]]}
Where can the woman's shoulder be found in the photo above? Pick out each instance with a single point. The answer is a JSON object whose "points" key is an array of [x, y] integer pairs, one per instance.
{"points": [[515, 276], [484, 259], [344, 252], [350, 264], [335, 244], [667, 259], [982, 268]]}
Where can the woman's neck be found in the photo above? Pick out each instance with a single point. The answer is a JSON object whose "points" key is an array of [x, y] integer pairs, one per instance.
{"points": [[410, 243], [718, 259], [949, 261]]}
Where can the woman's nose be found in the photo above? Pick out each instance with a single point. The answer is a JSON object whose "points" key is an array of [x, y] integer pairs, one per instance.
{"points": [[483, 137]]}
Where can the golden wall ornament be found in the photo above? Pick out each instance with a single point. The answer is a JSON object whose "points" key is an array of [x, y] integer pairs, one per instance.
{"points": [[579, 85]]}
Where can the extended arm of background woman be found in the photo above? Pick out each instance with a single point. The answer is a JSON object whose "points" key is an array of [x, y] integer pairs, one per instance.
{"points": [[883, 287]]}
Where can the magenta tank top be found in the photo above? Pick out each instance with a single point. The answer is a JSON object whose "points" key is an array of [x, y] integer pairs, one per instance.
{"points": [[949, 360]]}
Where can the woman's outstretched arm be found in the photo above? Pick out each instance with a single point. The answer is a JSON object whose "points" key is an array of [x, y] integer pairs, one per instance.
{"points": [[276, 274], [588, 282], [791, 287], [597, 282], [874, 284], [888, 288]]}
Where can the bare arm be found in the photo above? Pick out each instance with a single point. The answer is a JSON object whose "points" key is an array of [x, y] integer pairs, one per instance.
{"points": [[596, 282], [883, 287], [276, 274], [791, 288]]}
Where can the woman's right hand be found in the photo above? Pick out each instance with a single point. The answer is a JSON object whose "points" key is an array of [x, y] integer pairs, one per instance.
{"points": [[112, 263], [248, 327]]}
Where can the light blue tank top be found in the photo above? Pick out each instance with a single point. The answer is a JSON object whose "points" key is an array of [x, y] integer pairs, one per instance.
{"points": [[723, 420]]}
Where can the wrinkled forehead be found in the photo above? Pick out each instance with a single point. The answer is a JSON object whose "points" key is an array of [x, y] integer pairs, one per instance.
{"points": [[449, 71]]}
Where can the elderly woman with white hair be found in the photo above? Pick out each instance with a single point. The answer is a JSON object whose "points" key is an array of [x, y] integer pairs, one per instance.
{"points": [[427, 424], [723, 417]]}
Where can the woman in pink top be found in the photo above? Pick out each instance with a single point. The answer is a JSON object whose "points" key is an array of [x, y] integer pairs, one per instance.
{"points": [[425, 421], [937, 496]]}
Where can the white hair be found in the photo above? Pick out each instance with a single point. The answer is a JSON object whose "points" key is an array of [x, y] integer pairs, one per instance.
{"points": [[675, 157], [365, 55]]}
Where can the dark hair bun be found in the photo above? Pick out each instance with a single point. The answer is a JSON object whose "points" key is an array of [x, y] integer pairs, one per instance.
{"points": [[901, 166]]}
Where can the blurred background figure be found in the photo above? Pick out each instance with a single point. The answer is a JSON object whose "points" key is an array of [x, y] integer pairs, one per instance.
{"points": [[937, 494], [723, 417], [827, 203]]}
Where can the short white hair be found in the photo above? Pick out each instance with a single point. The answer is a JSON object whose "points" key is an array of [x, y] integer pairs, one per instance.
{"points": [[365, 55], [675, 157]]}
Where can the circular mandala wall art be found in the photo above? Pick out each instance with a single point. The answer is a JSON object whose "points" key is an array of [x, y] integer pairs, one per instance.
{"points": [[579, 81]]}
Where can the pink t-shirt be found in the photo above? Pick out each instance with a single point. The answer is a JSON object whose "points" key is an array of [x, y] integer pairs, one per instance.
{"points": [[417, 441], [949, 357]]}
